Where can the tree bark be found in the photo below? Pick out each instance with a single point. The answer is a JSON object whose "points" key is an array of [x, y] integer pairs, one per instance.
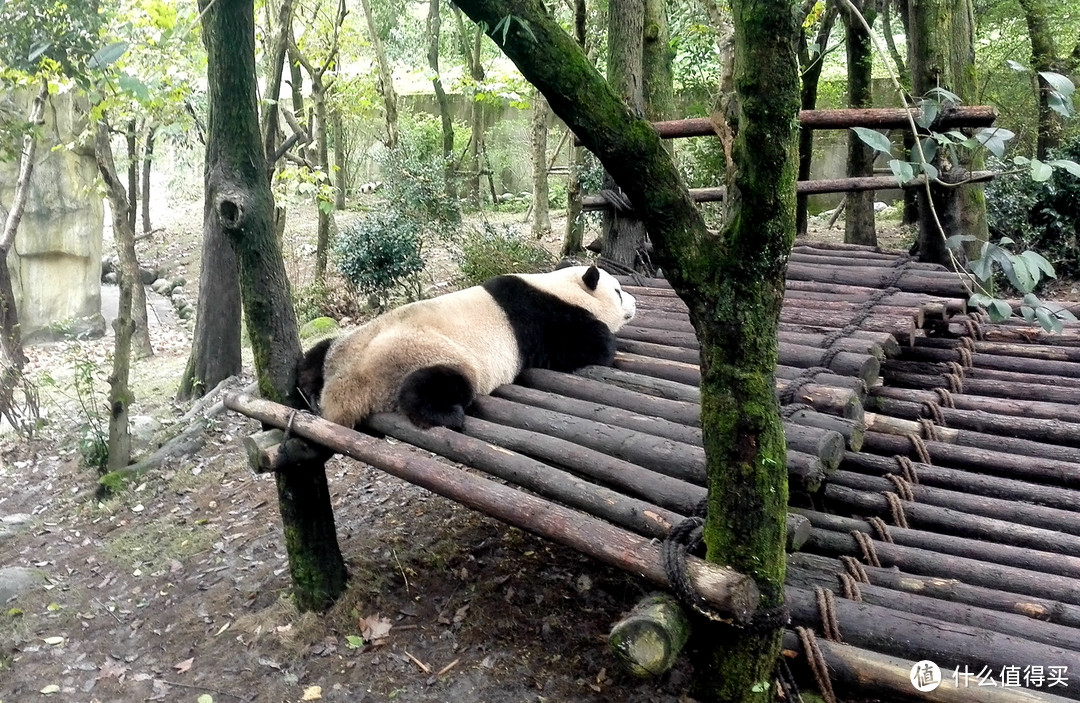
{"points": [[239, 205], [119, 446], [147, 163], [341, 171], [1043, 58], [279, 31], [811, 76], [541, 222], [386, 77], [624, 234], [941, 54], [574, 235], [732, 282], [859, 225], [434, 30], [470, 52], [141, 333]]}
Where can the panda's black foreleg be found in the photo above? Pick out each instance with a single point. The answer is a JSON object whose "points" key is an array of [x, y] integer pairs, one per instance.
{"points": [[436, 396]]}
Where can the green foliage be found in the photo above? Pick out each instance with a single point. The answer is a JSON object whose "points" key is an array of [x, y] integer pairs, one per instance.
{"points": [[494, 251], [415, 176], [1039, 214], [310, 301], [381, 253], [37, 33]]}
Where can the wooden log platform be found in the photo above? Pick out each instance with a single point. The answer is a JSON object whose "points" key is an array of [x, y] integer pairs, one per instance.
{"points": [[963, 480]]}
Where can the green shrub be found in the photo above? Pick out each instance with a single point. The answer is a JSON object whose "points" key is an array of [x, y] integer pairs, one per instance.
{"points": [[1040, 216], [310, 301], [495, 251], [381, 254]]}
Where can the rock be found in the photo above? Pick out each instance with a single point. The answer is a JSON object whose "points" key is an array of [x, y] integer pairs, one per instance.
{"points": [[178, 292], [143, 428], [179, 281], [161, 286], [879, 206], [318, 327], [148, 276], [186, 313], [18, 579], [10, 524], [110, 278]]}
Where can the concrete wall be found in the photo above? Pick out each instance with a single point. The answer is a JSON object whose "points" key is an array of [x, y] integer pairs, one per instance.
{"points": [[56, 259]]}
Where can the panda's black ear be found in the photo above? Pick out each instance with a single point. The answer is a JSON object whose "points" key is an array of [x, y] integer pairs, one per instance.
{"points": [[591, 278]]}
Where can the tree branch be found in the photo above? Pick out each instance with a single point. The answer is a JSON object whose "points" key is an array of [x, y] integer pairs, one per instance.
{"points": [[26, 168]]}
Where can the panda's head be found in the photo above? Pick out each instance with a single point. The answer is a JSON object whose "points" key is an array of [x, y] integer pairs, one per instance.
{"points": [[610, 303]]}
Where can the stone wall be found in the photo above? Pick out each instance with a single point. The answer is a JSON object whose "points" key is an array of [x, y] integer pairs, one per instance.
{"points": [[56, 259]]}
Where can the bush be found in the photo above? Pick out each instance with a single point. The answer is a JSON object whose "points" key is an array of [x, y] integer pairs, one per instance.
{"points": [[1040, 216], [495, 251], [381, 254]]}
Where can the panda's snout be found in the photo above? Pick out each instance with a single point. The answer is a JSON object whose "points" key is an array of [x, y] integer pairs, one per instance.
{"points": [[629, 306]]}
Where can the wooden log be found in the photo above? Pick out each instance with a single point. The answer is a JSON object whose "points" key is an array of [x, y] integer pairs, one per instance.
{"points": [[649, 639], [840, 259], [662, 388], [876, 422], [860, 251], [841, 309], [683, 461], [1033, 351], [1051, 471], [658, 351], [684, 340], [658, 368], [974, 483], [798, 532], [683, 412], [1025, 334], [998, 406], [850, 430], [1046, 562], [806, 473], [950, 589], [864, 367], [955, 522], [826, 445], [845, 118], [902, 326], [939, 283], [646, 424], [824, 378], [1041, 359], [875, 341], [1030, 428], [974, 372], [921, 637], [863, 673], [944, 611], [268, 451], [947, 566], [653, 516], [1039, 516], [726, 589]]}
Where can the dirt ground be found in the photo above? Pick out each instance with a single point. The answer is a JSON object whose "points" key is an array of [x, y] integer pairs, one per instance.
{"points": [[178, 588]]}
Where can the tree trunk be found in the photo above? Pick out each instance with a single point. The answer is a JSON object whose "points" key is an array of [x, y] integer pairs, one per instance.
{"points": [[341, 171], [240, 206], [322, 239], [911, 195], [132, 173], [141, 333], [386, 78], [941, 54], [12, 355], [147, 162], [859, 225], [623, 234], [574, 236], [657, 85], [277, 48], [733, 285], [811, 76], [124, 326], [541, 222], [434, 28], [1043, 58]]}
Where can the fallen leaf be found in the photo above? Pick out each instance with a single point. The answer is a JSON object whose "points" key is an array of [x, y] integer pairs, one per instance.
{"points": [[54, 640], [374, 628], [312, 693], [205, 698], [112, 668], [184, 666], [354, 641], [50, 689]]}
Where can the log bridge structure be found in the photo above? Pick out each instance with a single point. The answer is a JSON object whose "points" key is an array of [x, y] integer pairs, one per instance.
{"points": [[933, 456]]}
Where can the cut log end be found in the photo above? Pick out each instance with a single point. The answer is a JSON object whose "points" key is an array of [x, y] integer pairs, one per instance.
{"points": [[647, 642]]}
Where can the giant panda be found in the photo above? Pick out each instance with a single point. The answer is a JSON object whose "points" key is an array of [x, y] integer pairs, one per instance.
{"points": [[429, 359]]}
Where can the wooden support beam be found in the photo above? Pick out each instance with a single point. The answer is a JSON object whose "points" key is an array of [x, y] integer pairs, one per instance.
{"points": [[725, 589]]}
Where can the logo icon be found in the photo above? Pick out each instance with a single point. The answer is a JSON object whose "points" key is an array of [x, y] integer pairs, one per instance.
{"points": [[925, 676]]}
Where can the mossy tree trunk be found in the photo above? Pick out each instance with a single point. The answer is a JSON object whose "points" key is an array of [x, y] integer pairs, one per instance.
{"points": [[469, 46], [732, 282], [859, 226], [147, 163], [811, 63], [941, 54], [240, 205]]}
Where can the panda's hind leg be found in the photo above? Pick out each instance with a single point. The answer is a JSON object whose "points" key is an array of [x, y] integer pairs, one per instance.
{"points": [[436, 396]]}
